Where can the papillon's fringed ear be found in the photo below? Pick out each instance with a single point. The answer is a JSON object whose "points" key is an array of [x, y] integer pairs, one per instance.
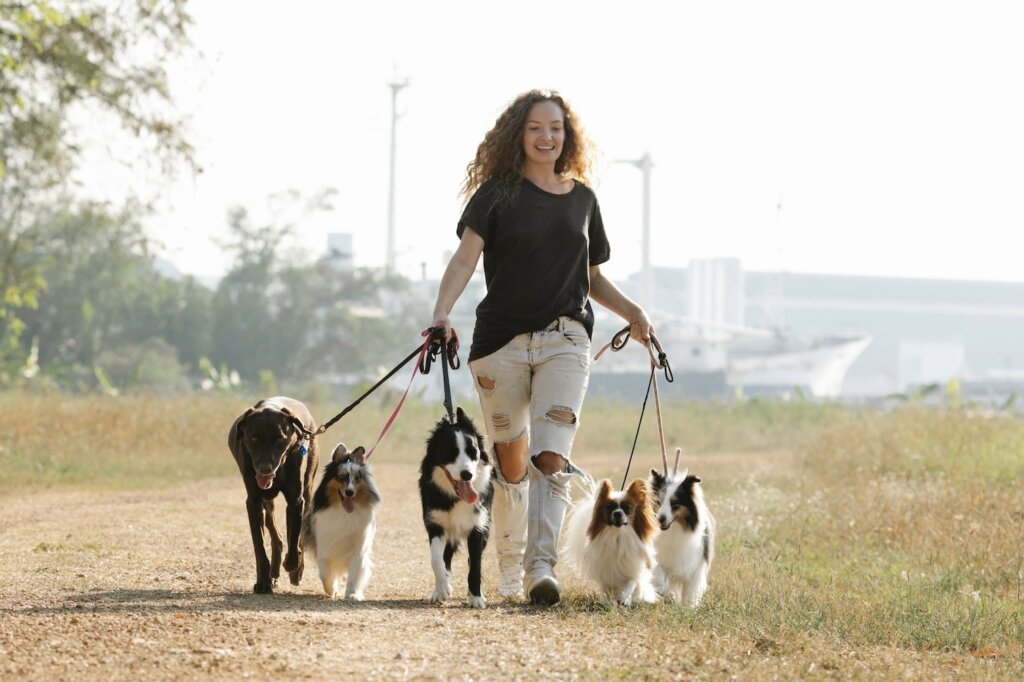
{"points": [[656, 478], [359, 455], [460, 416], [340, 451], [643, 515], [604, 491], [638, 490]]}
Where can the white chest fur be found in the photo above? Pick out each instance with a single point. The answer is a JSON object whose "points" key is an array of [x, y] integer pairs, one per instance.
{"points": [[460, 520], [340, 533], [615, 557], [463, 517], [680, 551]]}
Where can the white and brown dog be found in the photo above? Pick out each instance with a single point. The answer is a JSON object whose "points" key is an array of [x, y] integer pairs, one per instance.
{"points": [[609, 539], [340, 524]]}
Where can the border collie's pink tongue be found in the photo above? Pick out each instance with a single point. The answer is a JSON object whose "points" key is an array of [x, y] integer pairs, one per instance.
{"points": [[466, 492], [347, 505], [264, 481]]}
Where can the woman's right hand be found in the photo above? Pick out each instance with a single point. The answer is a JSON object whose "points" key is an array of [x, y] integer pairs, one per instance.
{"points": [[441, 321]]}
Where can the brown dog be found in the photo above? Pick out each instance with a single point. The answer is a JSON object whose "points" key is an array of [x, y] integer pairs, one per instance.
{"points": [[268, 445]]}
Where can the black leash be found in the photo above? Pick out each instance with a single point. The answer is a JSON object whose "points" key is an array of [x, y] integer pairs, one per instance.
{"points": [[333, 420], [617, 343], [637, 436], [428, 352], [450, 354]]}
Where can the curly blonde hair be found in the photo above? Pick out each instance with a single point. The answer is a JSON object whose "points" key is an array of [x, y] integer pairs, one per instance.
{"points": [[501, 154]]}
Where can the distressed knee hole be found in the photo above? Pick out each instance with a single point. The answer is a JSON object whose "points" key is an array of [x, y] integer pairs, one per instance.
{"points": [[561, 415], [501, 421], [485, 383]]}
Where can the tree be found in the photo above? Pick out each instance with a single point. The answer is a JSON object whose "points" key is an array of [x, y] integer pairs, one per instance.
{"points": [[64, 61], [105, 300], [278, 312]]}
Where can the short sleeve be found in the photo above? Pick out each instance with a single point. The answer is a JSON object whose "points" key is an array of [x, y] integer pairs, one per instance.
{"points": [[600, 250], [479, 213]]}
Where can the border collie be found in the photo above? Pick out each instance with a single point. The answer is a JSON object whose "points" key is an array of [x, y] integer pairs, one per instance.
{"points": [[341, 523], [686, 545], [456, 491], [609, 540]]}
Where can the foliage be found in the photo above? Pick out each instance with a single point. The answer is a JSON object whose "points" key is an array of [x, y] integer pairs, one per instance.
{"points": [[105, 304], [62, 63], [274, 312]]}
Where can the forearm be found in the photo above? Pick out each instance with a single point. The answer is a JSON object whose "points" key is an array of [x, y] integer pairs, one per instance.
{"points": [[604, 291], [457, 274], [453, 283]]}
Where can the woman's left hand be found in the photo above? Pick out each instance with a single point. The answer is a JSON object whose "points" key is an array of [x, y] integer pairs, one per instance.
{"points": [[640, 327]]}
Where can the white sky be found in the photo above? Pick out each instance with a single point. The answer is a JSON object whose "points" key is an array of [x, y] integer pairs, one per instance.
{"points": [[892, 132]]}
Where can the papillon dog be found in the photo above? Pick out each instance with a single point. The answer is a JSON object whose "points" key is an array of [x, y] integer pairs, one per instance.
{"points": [[610, 540], [456, 492], [686, 544], [340, 524]]}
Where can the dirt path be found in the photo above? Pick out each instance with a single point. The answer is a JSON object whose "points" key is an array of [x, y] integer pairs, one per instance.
{"points": [[156, 585]]}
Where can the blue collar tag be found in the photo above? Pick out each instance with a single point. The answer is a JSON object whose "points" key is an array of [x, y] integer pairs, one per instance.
{"points": [[302, 450]]}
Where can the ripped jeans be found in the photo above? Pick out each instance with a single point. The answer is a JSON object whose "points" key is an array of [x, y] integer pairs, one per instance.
{"points": [[536, 382]]}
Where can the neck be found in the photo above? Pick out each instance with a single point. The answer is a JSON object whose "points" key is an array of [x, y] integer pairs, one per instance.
{"points": [[542, 174]]}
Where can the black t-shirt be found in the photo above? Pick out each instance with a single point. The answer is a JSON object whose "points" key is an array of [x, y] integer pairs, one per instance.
{"points": [[537, 252]]}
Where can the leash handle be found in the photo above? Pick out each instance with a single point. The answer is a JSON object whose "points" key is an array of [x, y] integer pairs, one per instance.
{"points": [[449, 352], [621, 338]]}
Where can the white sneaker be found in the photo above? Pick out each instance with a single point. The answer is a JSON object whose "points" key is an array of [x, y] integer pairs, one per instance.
{"points": [[545, 591]]}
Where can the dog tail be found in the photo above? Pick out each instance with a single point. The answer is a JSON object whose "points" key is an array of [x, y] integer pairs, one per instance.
{"points": [[307, 538], [574, 537]]}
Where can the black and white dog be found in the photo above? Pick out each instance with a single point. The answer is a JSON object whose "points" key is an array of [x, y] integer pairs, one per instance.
{"points": [[686, 545], [456, 491]]}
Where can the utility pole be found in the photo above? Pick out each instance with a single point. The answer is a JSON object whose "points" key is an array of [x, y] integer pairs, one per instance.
{"points": [[390, 262], [645, 165]]}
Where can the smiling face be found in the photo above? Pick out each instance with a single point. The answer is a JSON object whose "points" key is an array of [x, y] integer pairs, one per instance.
{"points": [[544, 133]]}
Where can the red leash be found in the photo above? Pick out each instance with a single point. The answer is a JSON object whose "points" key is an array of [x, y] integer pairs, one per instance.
{"points": [[417, 368]]}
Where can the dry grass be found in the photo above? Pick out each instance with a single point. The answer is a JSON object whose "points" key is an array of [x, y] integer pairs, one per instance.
{"points": [[849, 540]]}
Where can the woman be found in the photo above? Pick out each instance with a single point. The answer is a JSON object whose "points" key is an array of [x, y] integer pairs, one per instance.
{"points": [[539, 228]]}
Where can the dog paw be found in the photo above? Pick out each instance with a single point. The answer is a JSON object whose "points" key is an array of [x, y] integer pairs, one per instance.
{"points": [[295, 577], [355, 596], [441, 592], [263, 588], [293, 562], [475, 602]]}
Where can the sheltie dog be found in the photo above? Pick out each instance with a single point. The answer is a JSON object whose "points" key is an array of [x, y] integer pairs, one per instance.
{"points": [[609, 539], [341, 522], [686, 545], [456, 492]]}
